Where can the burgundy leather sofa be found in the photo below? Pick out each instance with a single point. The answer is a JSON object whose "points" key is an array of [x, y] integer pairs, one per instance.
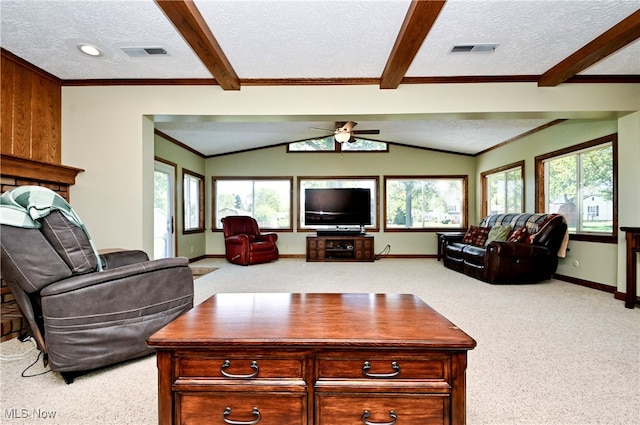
{"points": [[531, 256]]}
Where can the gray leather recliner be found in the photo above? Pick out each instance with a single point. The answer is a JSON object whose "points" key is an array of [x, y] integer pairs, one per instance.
{"points": [[81, 318]]}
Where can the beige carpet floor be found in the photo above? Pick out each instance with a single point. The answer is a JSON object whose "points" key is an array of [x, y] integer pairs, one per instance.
{"points": [[550, 353]]}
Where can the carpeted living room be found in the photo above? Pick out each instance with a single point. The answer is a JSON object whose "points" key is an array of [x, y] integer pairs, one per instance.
{"points": [[482, 270], [547, 353]]}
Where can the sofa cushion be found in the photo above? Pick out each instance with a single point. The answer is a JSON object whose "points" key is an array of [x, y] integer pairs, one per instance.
{"points": [[474, 255], [70, 242], [453, 256], [519, 235], [498, 233], [454, 250], [476, 235], [19, 265]]}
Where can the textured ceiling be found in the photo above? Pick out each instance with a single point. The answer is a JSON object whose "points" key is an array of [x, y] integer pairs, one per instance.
{"points": [[532, 36], [46, 33], [308, 39]]}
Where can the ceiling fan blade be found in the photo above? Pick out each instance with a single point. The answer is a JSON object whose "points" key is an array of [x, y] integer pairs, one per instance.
{"points": [[365, 132], [322, 129], [346, 127]]}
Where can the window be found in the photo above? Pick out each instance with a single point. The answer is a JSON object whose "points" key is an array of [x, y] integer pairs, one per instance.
{"points": [[325, 144], [364, 145], [503, 189], [193, 200], [580, 183], [268, 200], [370, 183], [428, 203], [328, 144]]}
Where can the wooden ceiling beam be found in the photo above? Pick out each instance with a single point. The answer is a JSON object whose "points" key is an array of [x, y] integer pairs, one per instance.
{"points": [[187, 19], [619, 36], [417, 23]]}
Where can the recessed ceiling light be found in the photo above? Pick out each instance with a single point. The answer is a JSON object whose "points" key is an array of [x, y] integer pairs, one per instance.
{"points": [[89, 50]]}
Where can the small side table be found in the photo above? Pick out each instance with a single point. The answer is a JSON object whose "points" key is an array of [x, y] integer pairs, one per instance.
{"points": [[443, 236], [633, 247]]}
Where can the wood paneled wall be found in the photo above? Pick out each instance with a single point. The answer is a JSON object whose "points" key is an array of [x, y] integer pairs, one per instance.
{"points": [[30, 124], [30, 149]]}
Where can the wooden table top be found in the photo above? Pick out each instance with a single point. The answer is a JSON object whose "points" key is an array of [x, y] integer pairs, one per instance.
{"points": [[313, 320], [290, 319]]}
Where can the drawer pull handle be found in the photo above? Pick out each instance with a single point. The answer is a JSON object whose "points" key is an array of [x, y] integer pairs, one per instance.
{"points": [[367, 366], [254, 412], [392, 415], [227, 364]]}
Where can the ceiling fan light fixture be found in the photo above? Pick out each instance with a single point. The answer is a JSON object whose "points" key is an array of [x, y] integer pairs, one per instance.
{"points": [[89, 50], [342, 136]]}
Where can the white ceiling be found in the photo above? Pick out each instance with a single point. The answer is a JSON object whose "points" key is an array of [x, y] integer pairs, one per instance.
{"points": [[283, 40]]}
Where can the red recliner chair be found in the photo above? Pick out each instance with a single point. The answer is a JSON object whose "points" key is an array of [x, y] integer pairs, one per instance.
{"points": [[244, 244]]}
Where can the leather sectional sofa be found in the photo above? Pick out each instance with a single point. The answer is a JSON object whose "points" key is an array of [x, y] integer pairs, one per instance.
{"points": [[525, 250]]}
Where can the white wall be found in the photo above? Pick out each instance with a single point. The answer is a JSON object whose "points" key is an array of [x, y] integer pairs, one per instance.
{"points": [[107, 132]]}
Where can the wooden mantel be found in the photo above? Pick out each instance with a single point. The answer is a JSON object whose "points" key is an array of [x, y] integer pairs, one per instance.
{"points": [[38, 170]]}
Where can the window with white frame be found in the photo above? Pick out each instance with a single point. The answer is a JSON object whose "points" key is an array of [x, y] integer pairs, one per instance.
{"points": [[193, 200], [267, 199], [425, 203], [579, 182]]}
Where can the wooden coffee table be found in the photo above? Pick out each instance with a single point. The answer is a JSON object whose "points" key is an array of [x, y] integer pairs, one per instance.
{"points": [[296, 359]]}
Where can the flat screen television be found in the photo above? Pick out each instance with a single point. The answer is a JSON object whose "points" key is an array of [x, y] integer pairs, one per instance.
{"points": [[337, 207]]}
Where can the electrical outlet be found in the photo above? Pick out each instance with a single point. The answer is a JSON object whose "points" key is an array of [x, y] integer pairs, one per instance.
{"points": [[192, 249]]}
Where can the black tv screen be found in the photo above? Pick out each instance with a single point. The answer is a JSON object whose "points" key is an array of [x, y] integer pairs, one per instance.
{"points": [[337, 207]]}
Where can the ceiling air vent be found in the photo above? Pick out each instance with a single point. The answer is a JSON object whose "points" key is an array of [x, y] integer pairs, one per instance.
{"points": [[474, 48], [138, 52]]}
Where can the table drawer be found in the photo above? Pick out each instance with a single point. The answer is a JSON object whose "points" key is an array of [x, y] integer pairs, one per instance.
{"points": [[410, 409], [239, 368], [385, 367], [247, 408]]}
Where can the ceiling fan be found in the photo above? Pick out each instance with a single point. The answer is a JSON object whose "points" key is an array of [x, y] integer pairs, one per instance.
{"points": [[344, 131]]}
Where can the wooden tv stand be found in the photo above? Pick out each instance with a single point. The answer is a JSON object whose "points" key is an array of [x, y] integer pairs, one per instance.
{"points": [[311, 359], [340, 248]]}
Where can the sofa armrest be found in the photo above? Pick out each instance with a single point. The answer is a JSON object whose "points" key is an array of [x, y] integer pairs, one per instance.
{"points": [[267, 237], [239, 239], [445, 239], [130, 273], [452, 236], [115, 259]]}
